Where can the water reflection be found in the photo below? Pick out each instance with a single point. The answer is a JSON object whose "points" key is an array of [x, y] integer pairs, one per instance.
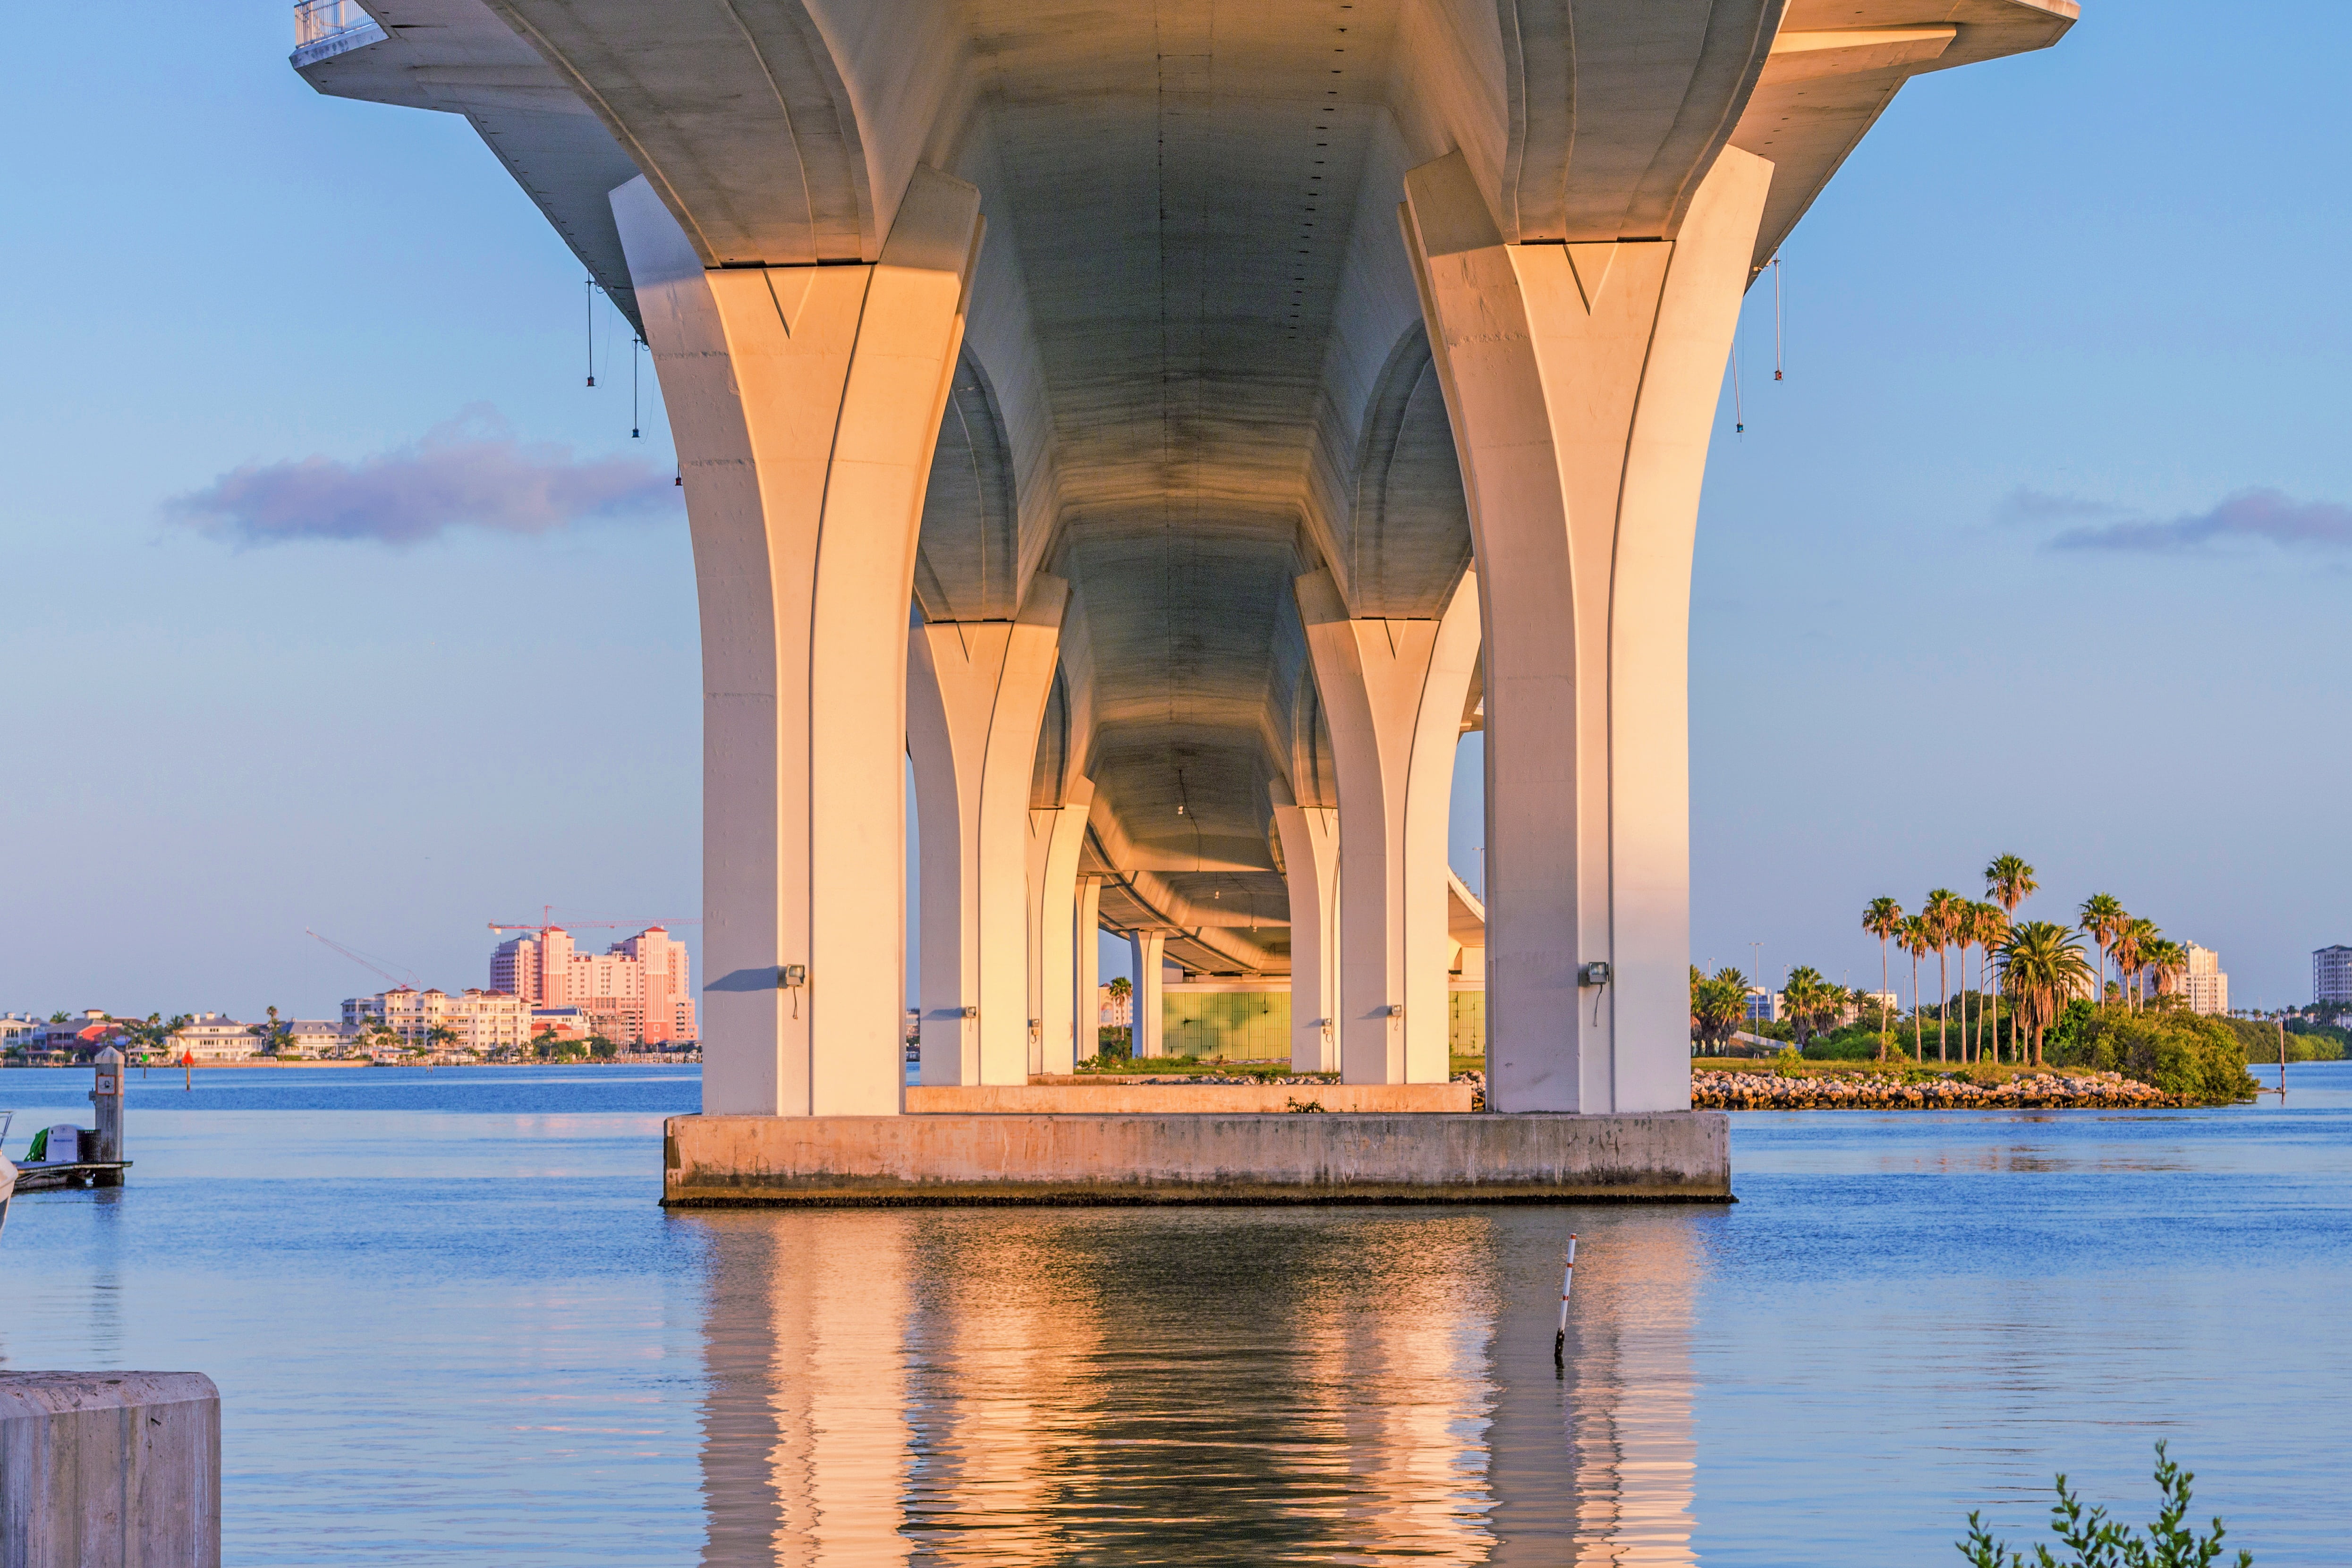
{"points": [[986, 1387]]}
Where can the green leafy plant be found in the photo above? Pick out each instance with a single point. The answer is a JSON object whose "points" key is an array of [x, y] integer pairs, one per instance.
{"points": [[2097, 1542]]}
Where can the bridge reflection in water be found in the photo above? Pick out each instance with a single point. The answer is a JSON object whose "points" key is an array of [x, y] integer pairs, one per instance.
{"points": [[945, 1386]]}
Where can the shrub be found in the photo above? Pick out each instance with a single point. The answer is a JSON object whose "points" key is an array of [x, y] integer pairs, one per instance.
{"points": [[2184, 1053], [2259, 1040], [2096, 1542]]}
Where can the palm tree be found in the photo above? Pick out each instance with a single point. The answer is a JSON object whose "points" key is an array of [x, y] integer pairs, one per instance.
{"points": [[2102, 919], [2130, 947], [1884, 920], [1809, 998], [1918, 939], [2008, 881], [2040, 964], [1942, 913], [2166, 962], [1991, 930], [1718, 1005]]}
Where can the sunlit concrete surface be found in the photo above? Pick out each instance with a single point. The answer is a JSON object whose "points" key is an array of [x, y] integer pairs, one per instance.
{"points": [[1163, 1099], [1197, 1157], [1169, 366]]}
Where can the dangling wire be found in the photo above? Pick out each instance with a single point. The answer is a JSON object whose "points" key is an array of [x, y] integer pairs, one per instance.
{"points": [[1779, 318], [635, 345], [591, 297], [1738, 409]]}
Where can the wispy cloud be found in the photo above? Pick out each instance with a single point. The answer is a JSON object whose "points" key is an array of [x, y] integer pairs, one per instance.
{"points": [[469, 472], [2254, 515]]}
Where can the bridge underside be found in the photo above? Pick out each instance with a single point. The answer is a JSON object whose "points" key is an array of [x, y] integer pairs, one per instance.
{"points": [[1242, 402]]}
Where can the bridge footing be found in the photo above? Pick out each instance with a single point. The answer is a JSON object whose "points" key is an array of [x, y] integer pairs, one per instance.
{"points": [[1193, 1158]]}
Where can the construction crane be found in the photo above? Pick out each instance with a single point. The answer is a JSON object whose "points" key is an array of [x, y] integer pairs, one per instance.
{"points": [[364, 963], [547, 922]]}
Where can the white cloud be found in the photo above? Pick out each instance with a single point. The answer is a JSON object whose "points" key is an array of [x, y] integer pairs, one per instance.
{"points": [[469, 472]]}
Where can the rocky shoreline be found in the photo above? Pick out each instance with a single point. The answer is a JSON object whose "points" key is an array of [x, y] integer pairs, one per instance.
{"points": [[1875, 1092]]}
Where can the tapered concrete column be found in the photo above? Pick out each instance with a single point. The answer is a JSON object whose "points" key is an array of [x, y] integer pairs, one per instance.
{"points": [[976, 695], [1144, 1033], [1581, 382], [1393, 693], [1309, 836], [805, 401], [1088, 925], [1055, 836]]}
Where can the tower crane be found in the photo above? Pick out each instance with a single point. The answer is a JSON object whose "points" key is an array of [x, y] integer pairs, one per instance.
{"points": [[364, 963]]}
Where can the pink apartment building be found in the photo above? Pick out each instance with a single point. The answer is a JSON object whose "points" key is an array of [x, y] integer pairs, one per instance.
{"points": [[635, 992]]}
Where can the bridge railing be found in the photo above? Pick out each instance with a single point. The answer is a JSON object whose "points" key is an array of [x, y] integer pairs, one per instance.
{"points": [[326, 20]]}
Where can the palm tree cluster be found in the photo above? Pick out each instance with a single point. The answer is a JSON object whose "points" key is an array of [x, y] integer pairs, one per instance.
{"points": [[1718, 1005], [2036, 967]]}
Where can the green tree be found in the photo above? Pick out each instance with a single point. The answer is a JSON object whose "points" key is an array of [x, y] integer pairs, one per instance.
{"points": [[2042, 966], [2167, 965], [1718, 1005], [1810, 1000], [2008, 881], [1918, 939], [1884, 920], [1942, 913], [2102, 919], [2130, 948]]}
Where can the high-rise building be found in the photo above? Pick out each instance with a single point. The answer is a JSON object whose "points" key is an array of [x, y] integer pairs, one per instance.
{"points": [[2331, 973], [639, 991], [2206, 987]]}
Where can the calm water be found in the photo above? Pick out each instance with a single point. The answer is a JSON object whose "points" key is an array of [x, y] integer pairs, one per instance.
{"points": [[450, 1324]]}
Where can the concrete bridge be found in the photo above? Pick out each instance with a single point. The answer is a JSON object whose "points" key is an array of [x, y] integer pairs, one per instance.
{"points": [[1173, 423]]}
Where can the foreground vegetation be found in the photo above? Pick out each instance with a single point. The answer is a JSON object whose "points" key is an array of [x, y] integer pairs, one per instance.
{"points": [[2097, 1542]]}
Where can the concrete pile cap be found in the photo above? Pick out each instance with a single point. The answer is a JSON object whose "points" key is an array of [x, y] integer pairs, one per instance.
{"points": [[24, 1394]]}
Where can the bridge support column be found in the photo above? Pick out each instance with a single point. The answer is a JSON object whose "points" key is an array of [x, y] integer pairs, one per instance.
{"points": [[1393, 693], [976, 698], [1055, 835], [805, 401], [1089, 926], [1145, 1011], [1581, 381], [1310, 871]]}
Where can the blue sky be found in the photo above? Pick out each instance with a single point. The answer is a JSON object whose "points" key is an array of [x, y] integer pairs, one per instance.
{"points": [[2093, 293]]}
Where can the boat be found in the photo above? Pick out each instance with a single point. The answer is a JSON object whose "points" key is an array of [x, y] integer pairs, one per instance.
{"points": [[7, 1171], [55, 1160]]}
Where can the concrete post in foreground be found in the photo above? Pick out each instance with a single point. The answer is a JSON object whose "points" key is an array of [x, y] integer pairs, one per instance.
{"points": [[105, 1098], [1581, 383], [807, 404], [110, 1469], [1393, 692]]}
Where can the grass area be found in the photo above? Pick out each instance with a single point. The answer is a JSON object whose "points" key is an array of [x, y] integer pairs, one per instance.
{"points": [[1199, 1066], [1189, 1067]]}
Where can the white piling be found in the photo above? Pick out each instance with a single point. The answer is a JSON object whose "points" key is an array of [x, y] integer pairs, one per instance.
{"points": [[1566, 1281]]}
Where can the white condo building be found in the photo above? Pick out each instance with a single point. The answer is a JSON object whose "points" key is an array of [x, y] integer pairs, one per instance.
{"points": [[481, 1020], [2206, 987], [2331, 973]]}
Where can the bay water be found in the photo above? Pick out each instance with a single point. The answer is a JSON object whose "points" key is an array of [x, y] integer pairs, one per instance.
{"points": [[451, 1323]]}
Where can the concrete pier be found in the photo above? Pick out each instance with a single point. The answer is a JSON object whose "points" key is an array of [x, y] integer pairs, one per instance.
{"points": [[110, 1469], [1178, 1158]]}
